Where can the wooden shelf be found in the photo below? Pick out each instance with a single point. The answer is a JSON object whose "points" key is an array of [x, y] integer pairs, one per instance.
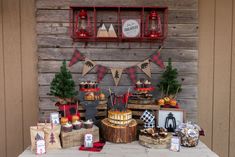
{"points": [[115, 15]]}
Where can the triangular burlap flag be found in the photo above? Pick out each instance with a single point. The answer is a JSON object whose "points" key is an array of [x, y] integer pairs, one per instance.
{"points": [[88, 65], [117, 74], [145, 67]]}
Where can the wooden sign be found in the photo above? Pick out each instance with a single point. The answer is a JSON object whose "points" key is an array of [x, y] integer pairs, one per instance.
{"points": [[131, 28]]}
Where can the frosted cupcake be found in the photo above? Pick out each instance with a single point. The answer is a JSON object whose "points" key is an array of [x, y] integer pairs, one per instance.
{"points": [[138, 84], [77, 125], [67, 127], [147, 84], [82, 85], [88, 124]]}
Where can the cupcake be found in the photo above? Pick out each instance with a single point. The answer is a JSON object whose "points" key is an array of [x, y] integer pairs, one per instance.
{"points": [[82, 85], [88, 124], [147, 84], [138, 84], [86, 85], [92, 84], [77, 125], [67, 127]]}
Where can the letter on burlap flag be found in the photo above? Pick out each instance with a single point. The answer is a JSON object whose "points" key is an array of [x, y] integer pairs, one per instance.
{"points": [[101, 71], [117, 74], [132, 74], [77, 56], [145, 67], [156, 58], [88, 65]]}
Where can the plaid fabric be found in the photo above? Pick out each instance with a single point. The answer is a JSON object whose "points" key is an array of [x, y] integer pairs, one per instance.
{"points": [[101, 71], [147, 117], [132, 74], [97, 147], [77, 56], [149, 125], [156, 58]]}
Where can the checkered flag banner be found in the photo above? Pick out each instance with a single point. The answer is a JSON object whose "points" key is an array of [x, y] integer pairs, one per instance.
{"points": [[147, 117], [149, 125]]}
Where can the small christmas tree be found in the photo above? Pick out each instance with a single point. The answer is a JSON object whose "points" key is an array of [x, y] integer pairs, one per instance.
{"points": [[169, 84], [63, 86]]}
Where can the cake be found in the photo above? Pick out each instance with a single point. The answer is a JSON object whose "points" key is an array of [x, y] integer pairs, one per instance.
{"points": [[119, 117]]}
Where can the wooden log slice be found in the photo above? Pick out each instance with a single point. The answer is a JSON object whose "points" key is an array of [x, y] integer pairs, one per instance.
{"points": [[118, 133]]}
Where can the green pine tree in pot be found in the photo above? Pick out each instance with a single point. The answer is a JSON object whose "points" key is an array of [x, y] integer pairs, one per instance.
{"points": [[169, 85], [63, 85]]}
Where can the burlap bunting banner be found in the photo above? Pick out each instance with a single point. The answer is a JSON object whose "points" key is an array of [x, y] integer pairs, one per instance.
{"points": [[145, 67], [117, 74], [88, 66]]}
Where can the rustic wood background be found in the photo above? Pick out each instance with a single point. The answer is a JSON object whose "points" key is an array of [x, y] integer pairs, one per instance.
{"points": [[55, 45]]}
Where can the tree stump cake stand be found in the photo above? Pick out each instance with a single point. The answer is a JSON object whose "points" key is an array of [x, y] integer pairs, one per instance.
{"points": [[119, 133]]}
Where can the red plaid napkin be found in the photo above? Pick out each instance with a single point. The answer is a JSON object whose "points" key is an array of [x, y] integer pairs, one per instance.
{"points": [[97, 147]]}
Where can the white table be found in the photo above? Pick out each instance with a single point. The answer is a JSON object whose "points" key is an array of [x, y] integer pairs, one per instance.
{"points": [[127, 150]]}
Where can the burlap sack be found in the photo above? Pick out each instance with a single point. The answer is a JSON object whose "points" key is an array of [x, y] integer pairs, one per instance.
{"points": [[52, 138], [34, 132]]}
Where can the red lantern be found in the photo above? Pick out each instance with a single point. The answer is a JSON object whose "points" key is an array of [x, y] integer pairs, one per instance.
{"points": [[82, 24], [153, 27]]}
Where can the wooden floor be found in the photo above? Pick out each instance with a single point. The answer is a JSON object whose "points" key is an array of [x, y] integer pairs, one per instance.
{"points": [[18, 73]]}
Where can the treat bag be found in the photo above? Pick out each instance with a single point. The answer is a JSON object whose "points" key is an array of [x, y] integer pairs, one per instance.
{"points": [[40, 147], [52, 138], [35, 132]]}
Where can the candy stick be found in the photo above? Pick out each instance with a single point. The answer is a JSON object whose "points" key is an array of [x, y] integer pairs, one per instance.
{"points": [[64, 111], [128, 91], [167, 90], [77, 108], [161, 91], [176, 92]]}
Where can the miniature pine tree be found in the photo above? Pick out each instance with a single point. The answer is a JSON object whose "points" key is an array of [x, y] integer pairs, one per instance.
{"points": [[63, 86], [169, 84]]}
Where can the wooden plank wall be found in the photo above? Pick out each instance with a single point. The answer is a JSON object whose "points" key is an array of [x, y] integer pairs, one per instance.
{"points": [[18, 75], [216, 74], [55, 45]]}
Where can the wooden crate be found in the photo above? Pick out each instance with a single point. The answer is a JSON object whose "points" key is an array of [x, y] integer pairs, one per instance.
{"points": [[76, 137], [138, 109]]}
